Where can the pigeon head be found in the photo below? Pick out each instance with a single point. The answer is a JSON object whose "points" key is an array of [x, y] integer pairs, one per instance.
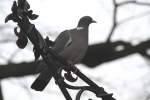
{"points": [[85, 21]]}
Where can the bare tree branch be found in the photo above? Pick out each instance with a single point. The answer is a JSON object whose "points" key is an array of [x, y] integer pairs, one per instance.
{"points": [[134, 17], [147, 97], [96, 54], [114, 21], [104, 52], [17, 70], [133, 2]]}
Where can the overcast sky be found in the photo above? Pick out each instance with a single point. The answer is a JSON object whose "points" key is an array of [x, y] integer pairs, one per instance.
{"points": [[126, 77]]}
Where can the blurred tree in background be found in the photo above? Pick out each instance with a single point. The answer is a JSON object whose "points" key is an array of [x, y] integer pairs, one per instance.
{"points": [[122, 40]]}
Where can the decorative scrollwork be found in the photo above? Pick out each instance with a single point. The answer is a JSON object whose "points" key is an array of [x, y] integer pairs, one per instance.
{"points": [[78, 96], [68, 76], [42, 47], [22, 38]]}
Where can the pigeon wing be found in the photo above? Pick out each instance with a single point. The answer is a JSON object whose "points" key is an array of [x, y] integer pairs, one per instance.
{"points": [[62, 41]]}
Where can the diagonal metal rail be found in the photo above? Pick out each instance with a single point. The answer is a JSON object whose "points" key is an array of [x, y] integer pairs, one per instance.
{"points": [[21, 14]]}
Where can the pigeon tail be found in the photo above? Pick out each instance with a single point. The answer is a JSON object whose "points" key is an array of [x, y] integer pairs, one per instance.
{"points": [[39, 84], [42, 80]]}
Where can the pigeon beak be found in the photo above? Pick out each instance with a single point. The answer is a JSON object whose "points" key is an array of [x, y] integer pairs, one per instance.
{"points": [[93, 21]]}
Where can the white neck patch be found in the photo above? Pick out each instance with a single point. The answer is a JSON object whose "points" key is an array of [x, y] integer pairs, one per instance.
{"points": [[80, 28]]}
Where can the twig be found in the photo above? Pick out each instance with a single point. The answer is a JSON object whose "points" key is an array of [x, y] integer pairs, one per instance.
{"points": [[114, 21], [133, 2], [134, 17]]}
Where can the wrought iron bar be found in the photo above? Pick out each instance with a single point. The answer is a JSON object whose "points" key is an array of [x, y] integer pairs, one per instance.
{"points": [[22, 16]]}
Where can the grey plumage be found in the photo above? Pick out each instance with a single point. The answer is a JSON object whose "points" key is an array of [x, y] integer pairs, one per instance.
{"points": [[74, 47], [71, 45]]}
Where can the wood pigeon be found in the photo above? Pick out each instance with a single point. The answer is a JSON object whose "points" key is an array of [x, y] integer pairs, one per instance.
{"points": [[71, 45]]}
